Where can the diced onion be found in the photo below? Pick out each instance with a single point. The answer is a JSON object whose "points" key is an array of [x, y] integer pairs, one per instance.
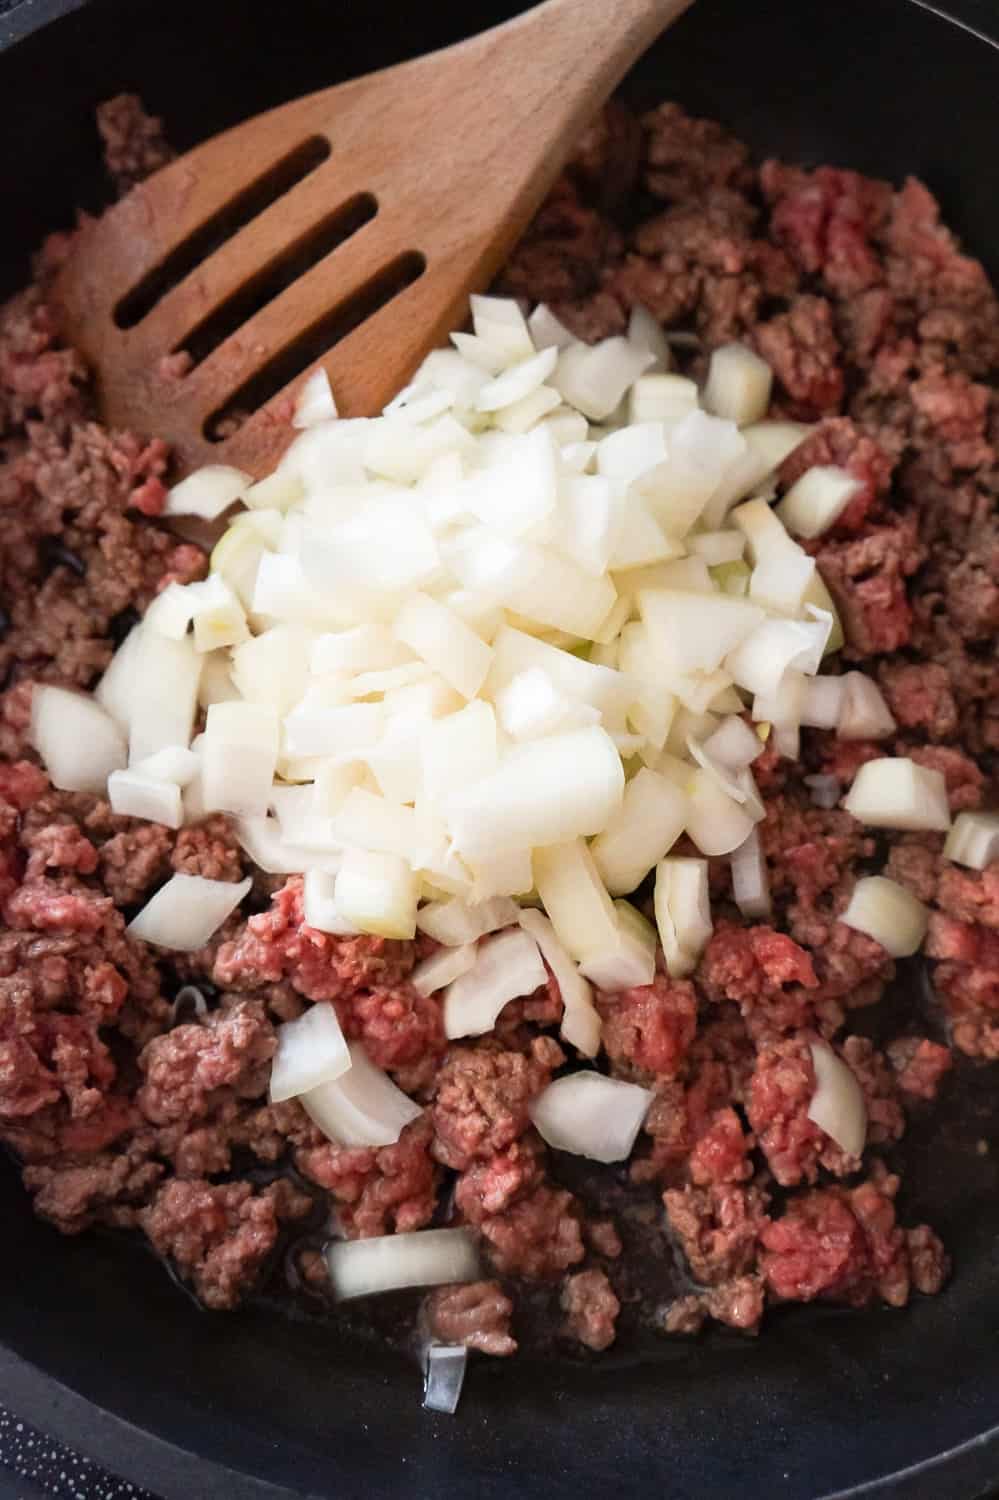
{"points": [[864, 714], [646, 332], [581, 1024], [973, 840], [817, 500], [888, 913], [79, 743], [392, 1262], [683, 912], [455, 923], [631, 962], [750, 879], [311, 1050], [186, 911], [319, 906], [528, 801], [172, 763], [716, 823], [238, 757], [315, 401], [695, 632], [505, 968], [207, 492], [822, 703], [575, 898], [650, 819], [733, 744], [838, 1105], [445, 643], [261, 839], [899, 793], [163, 695], [437, 971], [738, 384], [132, 795], [590, 1115], [377, 893], [546, 331], [594, 377], [361, 1106]]}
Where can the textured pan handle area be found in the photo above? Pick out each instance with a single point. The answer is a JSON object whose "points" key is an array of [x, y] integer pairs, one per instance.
{"points": [[346, 228]]}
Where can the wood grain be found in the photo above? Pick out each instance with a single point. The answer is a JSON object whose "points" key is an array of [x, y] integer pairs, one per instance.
{"points": [[458, 148]]}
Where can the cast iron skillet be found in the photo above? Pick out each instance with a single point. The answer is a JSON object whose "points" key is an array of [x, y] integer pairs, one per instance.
{"points": [[253, 1405]]}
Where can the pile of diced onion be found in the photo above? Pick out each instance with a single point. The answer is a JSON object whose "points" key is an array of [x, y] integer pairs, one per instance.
{"points": [[473, 667]]}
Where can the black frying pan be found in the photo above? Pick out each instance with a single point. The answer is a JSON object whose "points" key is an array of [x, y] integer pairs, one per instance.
{"points": [[98, 1345]]}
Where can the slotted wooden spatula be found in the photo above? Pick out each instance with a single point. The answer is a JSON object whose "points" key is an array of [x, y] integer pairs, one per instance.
{"points": [[346, 228]]}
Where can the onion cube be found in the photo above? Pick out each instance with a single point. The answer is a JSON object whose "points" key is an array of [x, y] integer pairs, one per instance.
{"points": [[973, 840], [738, 384], [238, 757], [896, 792], [377, 893], [78, 741], [575, 899], [646, 825], [683, 912], [838, 1106], [187, 911], [311, 1050], [817, 500], [888, 913], [207, 492], [319, 906], [505, 968], [133, 795], [392, 1262], [590, 1115]]}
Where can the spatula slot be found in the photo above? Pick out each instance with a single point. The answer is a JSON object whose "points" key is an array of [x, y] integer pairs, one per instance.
{"points": [[277, 275], [220, 227], [317, 340]]}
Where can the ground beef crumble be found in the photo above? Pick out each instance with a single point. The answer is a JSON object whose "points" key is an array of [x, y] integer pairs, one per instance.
{"points": [[882, 332]]}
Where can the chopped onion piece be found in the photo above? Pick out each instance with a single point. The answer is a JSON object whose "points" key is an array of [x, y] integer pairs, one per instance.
{"points": [[116, 690], [631, 962], [171, 612], [437, 971], [581, 1024], [173, 763], [717, 547], [716, 823], [455, 923], [733, 744], [272, 668], [517, 382], [546, 331], [576, 899], [750, 878], [392, 1262], [377, 893], [817, 500], [683, 912], [973, 840], [370, 822], [525, 414], [238, 757], [662, 398], [594, 377], [457, 750], [336, 729], [531, 706], [822, 702], [261, 838], [444, 642], [218, 615], [133, 795], [444, 1376], [701, 449], [315, 401], [650, 819], [528, 801], [896, 792], [590, 1115], [646, 332], [738, 384], [186, 911], [773, 648], [781, 583], [505, 968], [164, 694], [79, 743], [838, 1106], [319, 906], [694, 632], [362, 1106], [310, 1050], [207, 492], [864, 714], [888, 913]]}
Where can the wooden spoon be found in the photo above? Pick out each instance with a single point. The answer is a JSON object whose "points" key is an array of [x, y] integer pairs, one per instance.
{"points": [[345, 229]]}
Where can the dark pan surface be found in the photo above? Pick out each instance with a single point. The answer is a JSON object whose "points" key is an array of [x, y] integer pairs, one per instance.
{"points": [[824, 1400]]}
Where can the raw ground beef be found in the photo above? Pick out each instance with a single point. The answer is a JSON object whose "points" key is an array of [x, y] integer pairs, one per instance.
{"points": [[128, 1111]]}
